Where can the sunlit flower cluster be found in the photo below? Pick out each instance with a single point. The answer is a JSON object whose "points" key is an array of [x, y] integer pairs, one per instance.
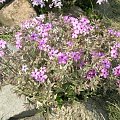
{"points": [[114, 33], [79, 26], [101, 1], [39, 75], [40, 32], [115, 50], [41, 3], [62, 43]]}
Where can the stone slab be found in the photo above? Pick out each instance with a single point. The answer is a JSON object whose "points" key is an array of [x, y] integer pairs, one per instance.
{"points": [[11, 105]]}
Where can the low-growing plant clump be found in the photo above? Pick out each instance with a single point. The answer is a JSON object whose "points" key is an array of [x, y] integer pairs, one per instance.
{"points": [[62, 59]]}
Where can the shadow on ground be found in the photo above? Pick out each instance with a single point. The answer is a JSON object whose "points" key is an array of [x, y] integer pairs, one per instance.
{"points": [[111, 12]]}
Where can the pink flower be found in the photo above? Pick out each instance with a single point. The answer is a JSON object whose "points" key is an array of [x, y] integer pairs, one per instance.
{"points": [[70, 43], [106, 63], [79, 26], [97, 54], [24, 68], [39, 75], [91, 74], [114, 53], [43, 46], [62, 58], [34, 36], [18, 40], [53, 53], [76, 56], [104, 73], [116, 71], [85, 20], [18, 44], [114, 33], [2, 53], [74, 35], [2, 44]]}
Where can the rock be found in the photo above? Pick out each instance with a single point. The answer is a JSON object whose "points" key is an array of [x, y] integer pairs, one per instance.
{"points": [[12, 48], [80, 111], [77, 111], [35, 117], [74, 11], [12, 106], [16, 12]]}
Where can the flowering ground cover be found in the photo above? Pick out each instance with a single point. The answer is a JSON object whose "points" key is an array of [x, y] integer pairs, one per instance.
{"points": [[62, 59], [59, 57]]}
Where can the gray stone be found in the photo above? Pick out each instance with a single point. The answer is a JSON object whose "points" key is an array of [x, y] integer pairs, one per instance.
{"points": [[16, 12], [13, 106], [35, 117], [12, 48], [75, 11]]}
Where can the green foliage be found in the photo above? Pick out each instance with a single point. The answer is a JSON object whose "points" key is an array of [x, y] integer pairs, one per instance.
{"points": [[114, 111], [6, 37], [86, 4]]}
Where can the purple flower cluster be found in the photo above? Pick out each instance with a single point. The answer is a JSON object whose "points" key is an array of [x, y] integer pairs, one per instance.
{"points": [[39, 75], [115, 50], [103, 69], [79, 26], [76, 55], [40, 32], [116, 71], [41, 35], [104, 73], [91, 74], [105, 65], [62, 58], [2, 47], [36, 31], [114, 33], [32, 23], [97, 54], [52, 53]]}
